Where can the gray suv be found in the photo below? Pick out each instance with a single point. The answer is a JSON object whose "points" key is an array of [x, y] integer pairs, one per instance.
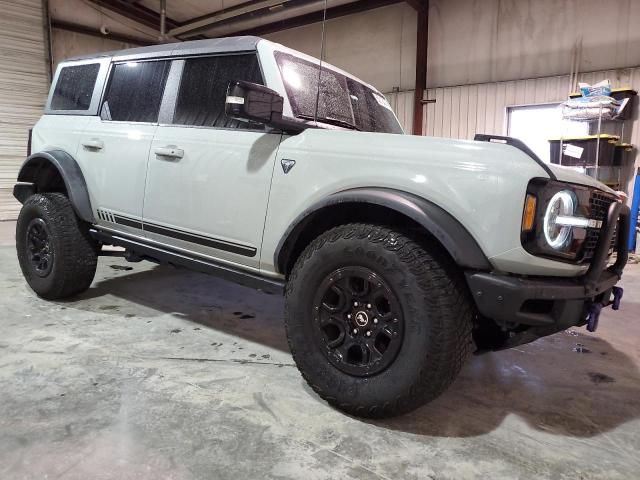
{"points": [[397, 255]]}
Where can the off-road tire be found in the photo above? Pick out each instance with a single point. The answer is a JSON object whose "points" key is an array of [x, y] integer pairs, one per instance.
{"points": [[74, 257], [437, 313]]}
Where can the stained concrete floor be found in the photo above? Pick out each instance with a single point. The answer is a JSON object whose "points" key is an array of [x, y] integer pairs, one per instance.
{"points": [[160, 373]]}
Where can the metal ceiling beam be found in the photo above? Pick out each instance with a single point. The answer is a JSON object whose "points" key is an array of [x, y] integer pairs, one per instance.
{"points": [[202, 23], [315, 17], [138, 13], [83, 29], [419, 5]]}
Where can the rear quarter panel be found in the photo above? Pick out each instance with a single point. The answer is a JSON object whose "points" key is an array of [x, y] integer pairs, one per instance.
{"points": [[58, 132]]}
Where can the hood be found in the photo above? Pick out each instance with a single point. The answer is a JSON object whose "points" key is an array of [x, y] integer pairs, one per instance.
{"points": [[568, 174]]}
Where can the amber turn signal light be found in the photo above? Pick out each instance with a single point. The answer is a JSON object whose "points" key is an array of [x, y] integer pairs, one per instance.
{"points": [[529, 214]]}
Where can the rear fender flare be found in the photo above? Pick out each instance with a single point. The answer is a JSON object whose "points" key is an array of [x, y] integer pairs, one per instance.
{"points": [[70, 172]]}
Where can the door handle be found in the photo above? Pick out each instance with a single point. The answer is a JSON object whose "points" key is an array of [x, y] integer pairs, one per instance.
{"points": [[93, 144], [170, 151]]}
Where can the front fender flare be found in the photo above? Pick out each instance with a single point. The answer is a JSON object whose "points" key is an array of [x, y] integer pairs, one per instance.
{"points": [[453, 236], [71, 174]]}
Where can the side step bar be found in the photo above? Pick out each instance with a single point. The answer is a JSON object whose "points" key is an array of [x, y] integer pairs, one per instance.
{"points": [[169, 256]]}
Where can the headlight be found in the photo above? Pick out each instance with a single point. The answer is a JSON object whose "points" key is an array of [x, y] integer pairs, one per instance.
{"points": [[556, 231], [556, 220]]}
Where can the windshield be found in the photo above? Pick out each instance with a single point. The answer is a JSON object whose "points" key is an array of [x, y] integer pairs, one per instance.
{"points": [[343, 101]]}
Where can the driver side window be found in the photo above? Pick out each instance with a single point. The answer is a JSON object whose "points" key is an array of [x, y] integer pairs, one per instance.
{"points": [[203, 89]]}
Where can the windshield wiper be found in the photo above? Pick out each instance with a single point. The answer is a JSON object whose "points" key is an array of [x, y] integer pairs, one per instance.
{"points": [[331, 121]]}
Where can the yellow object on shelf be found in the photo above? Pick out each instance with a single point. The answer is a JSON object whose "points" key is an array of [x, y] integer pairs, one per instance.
{"points": [[627, 147], [603, 136]]}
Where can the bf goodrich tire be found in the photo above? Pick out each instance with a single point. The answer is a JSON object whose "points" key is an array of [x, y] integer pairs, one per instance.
{"points": [[377, 324], [57, 256]]}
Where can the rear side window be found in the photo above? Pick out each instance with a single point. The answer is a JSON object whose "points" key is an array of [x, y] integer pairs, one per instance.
{"points": [[203, 89], [74, 88], [135, 91]]}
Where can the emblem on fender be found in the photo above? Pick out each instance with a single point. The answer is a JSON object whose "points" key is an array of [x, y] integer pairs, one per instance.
{"points": [[287, 165]]}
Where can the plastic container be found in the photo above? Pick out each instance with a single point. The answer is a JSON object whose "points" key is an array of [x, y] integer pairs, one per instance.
{"points": [[581, 151], [621, 154]]}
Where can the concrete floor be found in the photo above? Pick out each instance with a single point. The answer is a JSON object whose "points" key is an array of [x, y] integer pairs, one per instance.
{"points": [[161, 373]]}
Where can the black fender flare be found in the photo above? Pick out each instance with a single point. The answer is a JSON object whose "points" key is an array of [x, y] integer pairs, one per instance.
{"points": [[453, 236], [70, 172]]}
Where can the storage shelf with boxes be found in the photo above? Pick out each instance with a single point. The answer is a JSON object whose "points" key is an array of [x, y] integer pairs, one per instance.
{"points": [[605, 152]]}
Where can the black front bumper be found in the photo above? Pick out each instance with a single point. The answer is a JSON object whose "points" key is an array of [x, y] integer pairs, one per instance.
{"points": [[554, 303]]}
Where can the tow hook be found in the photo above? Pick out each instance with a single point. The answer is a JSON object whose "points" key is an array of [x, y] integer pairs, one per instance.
{"points": [[617, 297], [593, 316], [593, 313]]}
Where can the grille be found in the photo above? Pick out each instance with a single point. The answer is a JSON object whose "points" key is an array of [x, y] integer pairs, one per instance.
{"points": [[598, 209]]}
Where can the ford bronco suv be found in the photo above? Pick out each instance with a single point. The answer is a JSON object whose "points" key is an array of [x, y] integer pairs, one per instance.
{"points": [[397, 255]]}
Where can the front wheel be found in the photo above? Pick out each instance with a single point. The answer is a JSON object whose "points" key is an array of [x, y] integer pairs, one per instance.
{"points": [[57, 256], [377, 323]]}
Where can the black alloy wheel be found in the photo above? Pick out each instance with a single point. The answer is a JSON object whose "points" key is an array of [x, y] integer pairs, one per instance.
{"points": [[359, 321], [39, 247]]}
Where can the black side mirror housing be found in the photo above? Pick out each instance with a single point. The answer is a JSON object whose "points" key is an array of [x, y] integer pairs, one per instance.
{"points": [[250, 102]]}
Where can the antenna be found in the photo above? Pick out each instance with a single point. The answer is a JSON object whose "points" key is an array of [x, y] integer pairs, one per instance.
{"points": [[324, 21]]}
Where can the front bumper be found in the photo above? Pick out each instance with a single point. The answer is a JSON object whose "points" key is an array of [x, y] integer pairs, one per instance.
{"points": [[554, 303]]}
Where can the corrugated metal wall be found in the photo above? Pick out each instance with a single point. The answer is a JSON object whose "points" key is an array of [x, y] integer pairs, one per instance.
{"points": [[24, 82], [463, 111], [479, 41], [402, 104]]}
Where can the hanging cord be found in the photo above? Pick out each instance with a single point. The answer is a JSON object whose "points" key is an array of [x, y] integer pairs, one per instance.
{"points": [[324, 21]]}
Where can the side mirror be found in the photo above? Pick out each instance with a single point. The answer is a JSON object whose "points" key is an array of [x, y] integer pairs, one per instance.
{"points": [[250, 102]]}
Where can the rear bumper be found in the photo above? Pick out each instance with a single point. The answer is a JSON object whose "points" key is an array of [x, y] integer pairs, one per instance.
{"points": [[554, 302]]}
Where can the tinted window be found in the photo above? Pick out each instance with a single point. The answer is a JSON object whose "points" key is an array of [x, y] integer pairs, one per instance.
{"points": [[341, 100], [135, 91], [203, 89], [75, 87]]}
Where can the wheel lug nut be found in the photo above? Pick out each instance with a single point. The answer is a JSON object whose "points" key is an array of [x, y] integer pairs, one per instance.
{"points": [[375, 320], [369, 306], [349, 316], [355, 304], [355, 331], [368, 334]]}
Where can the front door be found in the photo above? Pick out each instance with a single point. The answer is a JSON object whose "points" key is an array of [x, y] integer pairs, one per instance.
{"points": [[114, 147], [209, 176]]}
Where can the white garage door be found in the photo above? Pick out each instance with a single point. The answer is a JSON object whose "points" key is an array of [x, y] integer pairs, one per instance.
{"points": [[24, 84]]}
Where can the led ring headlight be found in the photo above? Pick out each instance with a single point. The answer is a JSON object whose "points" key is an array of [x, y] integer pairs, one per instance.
{"points": [[557, 233]]}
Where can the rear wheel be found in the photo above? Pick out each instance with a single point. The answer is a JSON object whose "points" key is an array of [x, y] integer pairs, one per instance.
{"points": [[57, 256], [378, 324]]}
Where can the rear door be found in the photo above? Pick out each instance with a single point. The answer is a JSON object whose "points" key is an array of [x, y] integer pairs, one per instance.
{"points": [[209, 176], [114, 147]]}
